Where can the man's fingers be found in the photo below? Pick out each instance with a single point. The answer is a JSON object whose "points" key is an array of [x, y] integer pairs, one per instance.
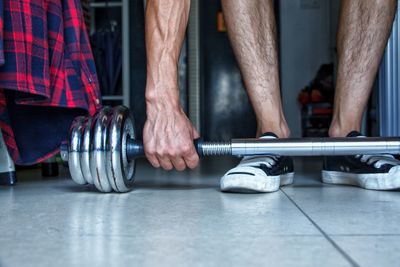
{"points": [[190, 155], [150, 153], [169, 152], [179, 163], [153, 160], [166, 163], [192, 160]]}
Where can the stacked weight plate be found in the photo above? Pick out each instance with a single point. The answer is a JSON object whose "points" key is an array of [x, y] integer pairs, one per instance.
{"points": [[97, 150]]}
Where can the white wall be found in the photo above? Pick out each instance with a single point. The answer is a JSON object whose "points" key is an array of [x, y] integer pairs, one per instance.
{"points": [[306, 43]]}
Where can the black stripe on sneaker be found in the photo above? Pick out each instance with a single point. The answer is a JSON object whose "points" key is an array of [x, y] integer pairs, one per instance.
{"points": [[252, 174], [354, 134]]}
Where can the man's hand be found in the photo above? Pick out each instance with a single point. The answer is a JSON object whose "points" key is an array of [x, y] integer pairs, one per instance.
{"points": [[168, 139], [168, 134]]}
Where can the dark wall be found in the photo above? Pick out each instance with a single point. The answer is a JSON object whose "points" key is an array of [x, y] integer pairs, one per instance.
{"points": [[138, 64], [226, 111]]}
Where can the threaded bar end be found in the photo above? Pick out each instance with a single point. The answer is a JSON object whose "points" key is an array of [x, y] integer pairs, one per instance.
{"points": [[217, 148]]}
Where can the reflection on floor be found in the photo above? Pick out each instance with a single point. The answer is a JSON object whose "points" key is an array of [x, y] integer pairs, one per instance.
{"points": [[181, 219]]}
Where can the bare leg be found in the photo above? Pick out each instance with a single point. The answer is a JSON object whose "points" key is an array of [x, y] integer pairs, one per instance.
{"points": [[364, 29], [252, 31]]}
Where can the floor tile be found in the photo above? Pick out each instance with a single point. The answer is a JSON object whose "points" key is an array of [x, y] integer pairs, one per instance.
{"points": [[169, 219], [349, 210], [196, 250], [371, 250]]}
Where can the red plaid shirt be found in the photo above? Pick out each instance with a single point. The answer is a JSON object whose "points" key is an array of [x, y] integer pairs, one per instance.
{"points": [[47, 76]]}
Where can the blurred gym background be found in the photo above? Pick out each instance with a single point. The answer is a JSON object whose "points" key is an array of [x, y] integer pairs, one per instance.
{"points": [[211, 87]]}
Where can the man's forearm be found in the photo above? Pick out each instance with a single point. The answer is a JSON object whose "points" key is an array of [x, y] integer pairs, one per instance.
{"points": [[166, 22]]}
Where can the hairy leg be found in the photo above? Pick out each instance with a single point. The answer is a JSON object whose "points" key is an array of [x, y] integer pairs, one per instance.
{"points": [[252, 31], [364, 29]]}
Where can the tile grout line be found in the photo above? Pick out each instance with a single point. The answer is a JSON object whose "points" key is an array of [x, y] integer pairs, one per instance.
{"points": [[330, 240]]}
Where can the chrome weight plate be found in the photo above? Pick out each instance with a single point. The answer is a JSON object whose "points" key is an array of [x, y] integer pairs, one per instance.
{"points": [[74, 150], [85, 150], [121, 172], [98, 157]]}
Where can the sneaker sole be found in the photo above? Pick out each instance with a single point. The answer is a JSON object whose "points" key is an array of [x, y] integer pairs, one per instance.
{"points": [[372, 181], [255, 184]]}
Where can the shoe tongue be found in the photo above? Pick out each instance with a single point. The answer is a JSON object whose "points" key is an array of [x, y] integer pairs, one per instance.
{"points": [[354, 134], [268, 135]]}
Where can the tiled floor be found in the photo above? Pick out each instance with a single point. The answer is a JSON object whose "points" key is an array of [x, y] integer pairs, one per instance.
{"points": [[181, 219]]}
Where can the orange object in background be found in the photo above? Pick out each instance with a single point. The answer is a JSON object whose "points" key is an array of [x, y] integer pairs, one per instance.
{"points": [[322, 111], [221, 27], [316, 96], [306, 97], [303, 98]]}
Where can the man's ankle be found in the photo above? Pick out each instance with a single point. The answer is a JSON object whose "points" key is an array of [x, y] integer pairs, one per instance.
{"points": [[281, 130], [342, 130]]}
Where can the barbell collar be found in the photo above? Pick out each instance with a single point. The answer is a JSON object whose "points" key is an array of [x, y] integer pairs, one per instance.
{"points": [[134, 149]]}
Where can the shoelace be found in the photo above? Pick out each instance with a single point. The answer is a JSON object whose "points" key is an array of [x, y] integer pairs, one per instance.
{"points": [[378, 160], [256, 161]]}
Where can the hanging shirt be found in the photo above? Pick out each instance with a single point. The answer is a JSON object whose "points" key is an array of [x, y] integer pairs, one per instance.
{"points": [[47, 75]]}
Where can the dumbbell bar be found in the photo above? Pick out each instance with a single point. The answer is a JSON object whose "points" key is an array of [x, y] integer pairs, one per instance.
{"points": [[286, 147], [102, 150]]}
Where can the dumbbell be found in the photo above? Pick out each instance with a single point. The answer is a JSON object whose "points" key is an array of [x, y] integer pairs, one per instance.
{"points": [[102, 150]]}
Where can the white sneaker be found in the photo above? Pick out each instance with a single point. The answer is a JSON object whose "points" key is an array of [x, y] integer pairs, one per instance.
{"points": [[376, 172], [259, 173]]}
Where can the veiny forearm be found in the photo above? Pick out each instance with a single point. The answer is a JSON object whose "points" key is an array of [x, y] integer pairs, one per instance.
{"points": [[165, 28]]}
